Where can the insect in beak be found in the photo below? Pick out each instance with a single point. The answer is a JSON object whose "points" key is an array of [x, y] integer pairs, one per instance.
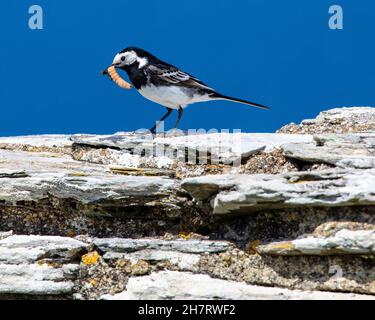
{"points": [[114, 76]]}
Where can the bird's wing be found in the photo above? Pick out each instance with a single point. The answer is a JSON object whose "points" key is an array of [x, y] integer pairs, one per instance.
{"points": [[172, 75]]}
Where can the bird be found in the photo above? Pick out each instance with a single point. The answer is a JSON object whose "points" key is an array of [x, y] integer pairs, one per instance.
{"points": [[166, 84]]}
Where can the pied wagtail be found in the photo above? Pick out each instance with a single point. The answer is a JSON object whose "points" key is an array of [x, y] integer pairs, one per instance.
{"points": [[165, 84]]}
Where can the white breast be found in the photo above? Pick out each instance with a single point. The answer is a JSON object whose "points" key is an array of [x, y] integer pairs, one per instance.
{"points": [[171, 96]]}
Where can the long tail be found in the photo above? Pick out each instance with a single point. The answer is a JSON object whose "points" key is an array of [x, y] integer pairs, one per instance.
{"points": [[222, 97]]}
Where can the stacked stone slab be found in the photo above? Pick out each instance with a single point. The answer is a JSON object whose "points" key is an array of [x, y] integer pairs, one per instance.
{"points": [[178, 207]]}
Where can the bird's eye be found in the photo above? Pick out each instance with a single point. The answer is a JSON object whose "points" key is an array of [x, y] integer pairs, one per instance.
{"points": [[122, 58]]}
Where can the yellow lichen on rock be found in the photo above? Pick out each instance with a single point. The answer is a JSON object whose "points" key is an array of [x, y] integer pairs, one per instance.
{"points": [[90, 258], [185, 235], [79, 174], [288, 245], [140, 268], [93, 282]]}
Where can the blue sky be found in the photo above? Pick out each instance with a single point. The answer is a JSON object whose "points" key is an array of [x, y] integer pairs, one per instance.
{"points": [[278, 53]]}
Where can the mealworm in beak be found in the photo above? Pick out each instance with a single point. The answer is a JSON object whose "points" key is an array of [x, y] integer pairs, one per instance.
{"points": [[117, 79]]}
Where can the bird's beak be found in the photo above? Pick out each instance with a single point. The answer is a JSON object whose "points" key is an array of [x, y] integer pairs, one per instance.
{"points": [[105, 71]]}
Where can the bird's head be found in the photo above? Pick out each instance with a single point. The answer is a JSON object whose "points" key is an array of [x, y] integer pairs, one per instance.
{"points": [[131, 57]]}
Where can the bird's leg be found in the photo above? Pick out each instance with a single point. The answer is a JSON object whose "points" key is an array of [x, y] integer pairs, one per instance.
{"points": [[153, 129], [180, 112]]}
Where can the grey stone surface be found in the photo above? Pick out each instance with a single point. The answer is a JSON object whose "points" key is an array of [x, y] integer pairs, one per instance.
{"points": [[49, 265], [338, 120], [33, 176], [38, 265], [33, 279], [233, 146], [5, 234], [344, 150], [135, 150], [186, 246], [184, 261], [183, 253], [45, 140], [361, 242], [20, 249], [244, 193], [178, 285], [124, 185]]}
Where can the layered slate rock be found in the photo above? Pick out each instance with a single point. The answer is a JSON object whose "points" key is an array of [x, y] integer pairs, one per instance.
{"points": [[344, 242], [38, 143], [292, 211], [54, 266], [142, 150], [184, 253], [338, 120], [39, 265], [246, 193], [18, 249], [177, 286], [345, 150], [86, 189], [35, 176]]}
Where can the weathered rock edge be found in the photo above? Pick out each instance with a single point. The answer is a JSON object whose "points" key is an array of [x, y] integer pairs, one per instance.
{"points": [[166, 285], [245, 193]]}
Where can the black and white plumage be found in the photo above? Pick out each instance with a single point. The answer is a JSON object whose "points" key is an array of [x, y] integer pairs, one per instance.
{"points": [[165, 84]]}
